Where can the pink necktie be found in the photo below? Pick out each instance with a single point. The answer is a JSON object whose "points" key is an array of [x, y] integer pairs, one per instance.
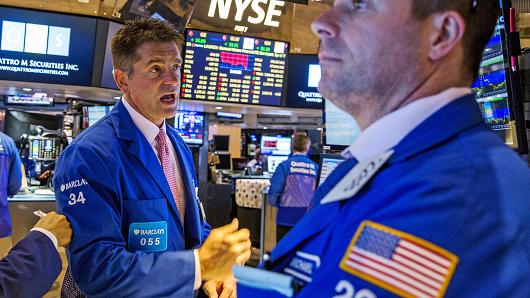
{"points": [[163, 155]]}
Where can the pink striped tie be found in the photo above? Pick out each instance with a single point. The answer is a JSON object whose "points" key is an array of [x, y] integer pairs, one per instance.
{"points": [[163, 155]]}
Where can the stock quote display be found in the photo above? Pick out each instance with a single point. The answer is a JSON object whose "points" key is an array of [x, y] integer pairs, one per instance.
{"points": [[229, 68], [490, 89]]}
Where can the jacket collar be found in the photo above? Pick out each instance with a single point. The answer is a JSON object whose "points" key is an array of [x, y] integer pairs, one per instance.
{"points": [[456, 117]]}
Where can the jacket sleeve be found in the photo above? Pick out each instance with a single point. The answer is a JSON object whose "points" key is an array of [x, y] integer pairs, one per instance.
{"points": [[99, 261], [277, 184], [30, 268], [15, 171]]}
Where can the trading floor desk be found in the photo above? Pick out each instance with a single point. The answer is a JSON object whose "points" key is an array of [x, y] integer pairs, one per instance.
{"points": [[21, 207]]}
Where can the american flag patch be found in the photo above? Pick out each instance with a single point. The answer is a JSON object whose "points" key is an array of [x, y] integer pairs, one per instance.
{"points": [[398, 262]]}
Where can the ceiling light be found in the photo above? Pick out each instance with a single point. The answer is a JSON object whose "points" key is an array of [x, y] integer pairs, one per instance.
{"points": [[218, 108], [27, 89]]}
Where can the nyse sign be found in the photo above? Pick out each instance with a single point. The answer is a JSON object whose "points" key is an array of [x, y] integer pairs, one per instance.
{"points": [[261, 11]]}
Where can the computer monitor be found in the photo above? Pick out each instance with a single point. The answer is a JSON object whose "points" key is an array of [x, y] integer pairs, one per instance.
{"points": [[275, 145], [221, 142], [239, 163], [94, 113], [44, 148], [328, 163], [273, 162], [190, 126], [340, 128], [224, 162]]}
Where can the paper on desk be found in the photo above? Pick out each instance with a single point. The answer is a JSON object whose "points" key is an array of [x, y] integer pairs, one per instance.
{"points": [[39, 213], [265, 280]]}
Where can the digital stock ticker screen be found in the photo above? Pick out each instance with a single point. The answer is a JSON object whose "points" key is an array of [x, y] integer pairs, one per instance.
{"points": [[490, 89], [236, 69]]}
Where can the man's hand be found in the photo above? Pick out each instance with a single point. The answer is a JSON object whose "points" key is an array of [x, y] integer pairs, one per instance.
{"points": [[221, 288], [223, 247], [45, 175], [58, 225]]}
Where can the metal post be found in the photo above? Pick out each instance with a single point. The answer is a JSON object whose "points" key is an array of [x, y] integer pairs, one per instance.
{"points": [[264, 196]]}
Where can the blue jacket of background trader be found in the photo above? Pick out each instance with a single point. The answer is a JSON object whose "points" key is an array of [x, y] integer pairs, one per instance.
{"points": [[10, 180], [292, 187], [452, 197], [128, 239]]}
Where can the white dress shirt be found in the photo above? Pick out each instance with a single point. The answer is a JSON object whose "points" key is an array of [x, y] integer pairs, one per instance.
{"points": [[47, 233], [388, 131], [150, 130]]}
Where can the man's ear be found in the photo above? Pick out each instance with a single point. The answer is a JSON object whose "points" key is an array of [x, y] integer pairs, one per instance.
{"points": [[122, 79], [448, 31]]}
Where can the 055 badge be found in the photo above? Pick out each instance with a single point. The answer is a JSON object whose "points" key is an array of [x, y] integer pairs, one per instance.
{"points": [[148, 236]]}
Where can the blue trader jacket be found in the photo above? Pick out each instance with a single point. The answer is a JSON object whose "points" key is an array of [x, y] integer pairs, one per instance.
{"points": [[10, 180], [129, 240], [292, 187], [447, 214], [30, 268]]}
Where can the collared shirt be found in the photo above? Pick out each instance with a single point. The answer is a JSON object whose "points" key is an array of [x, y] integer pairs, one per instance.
{"points": [[388, 131], [150, 131]]}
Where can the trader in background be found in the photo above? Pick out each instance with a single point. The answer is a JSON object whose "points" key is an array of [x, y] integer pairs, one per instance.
{"points": [[33, 264], [10, 182], [128, 187], [292, 186], [429, 202]]}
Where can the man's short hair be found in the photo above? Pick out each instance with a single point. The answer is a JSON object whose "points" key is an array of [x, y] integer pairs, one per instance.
{"points": [[301, 143], [480, 22], [133, 34]]}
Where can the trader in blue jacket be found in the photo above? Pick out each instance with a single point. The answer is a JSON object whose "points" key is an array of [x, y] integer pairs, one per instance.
{"points": [[430, 202], [33, 264], [10, 182], [127, 184], [292, 186]]}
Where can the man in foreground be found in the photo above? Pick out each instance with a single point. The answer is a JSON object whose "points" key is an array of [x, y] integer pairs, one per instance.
{"points": [[430, 202]]}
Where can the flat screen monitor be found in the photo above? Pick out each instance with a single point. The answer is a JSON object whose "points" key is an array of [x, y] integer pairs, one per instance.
{"points": [[275, 145], [222, 143], [94, 113], [190, 126], [224, 162], [107, 78], [46, 47], [340, 128], [304, 76], [498, 90], [328, 163], [221, 67], [239, 163], [274, 161], [491, 88], [44, 148]]}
